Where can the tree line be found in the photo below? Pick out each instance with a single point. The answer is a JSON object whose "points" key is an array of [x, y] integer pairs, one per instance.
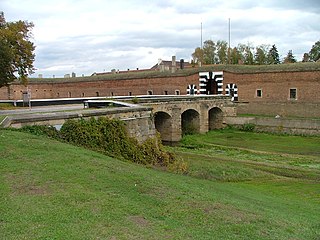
{"points": [[220, 53]]}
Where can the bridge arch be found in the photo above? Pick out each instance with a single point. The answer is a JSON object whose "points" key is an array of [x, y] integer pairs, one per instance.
{"points": [[215, 118], [190, 122], [163, 124]]}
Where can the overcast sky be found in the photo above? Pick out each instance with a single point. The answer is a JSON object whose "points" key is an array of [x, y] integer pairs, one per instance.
{"points": [[86, 36]]}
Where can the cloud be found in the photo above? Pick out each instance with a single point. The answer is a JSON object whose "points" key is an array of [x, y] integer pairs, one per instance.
{"points": [[92, 36]]}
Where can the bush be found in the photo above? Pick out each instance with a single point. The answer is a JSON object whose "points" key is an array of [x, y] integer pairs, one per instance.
{"points": [[49, 131], [103, 134], [110, 137], [248, 127], [178, 166], [135, 100]]}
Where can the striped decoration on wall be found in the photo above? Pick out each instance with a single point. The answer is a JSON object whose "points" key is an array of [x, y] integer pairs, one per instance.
{"points": [[192, 89], [232, 90], [211, 83]]}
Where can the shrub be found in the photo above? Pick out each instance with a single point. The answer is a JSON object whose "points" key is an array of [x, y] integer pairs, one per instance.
{"points": [[135, 100], [178, 166], [154, 152], [248, 127], [101, 134], [110, 137], [229, 127], [49, 131]]}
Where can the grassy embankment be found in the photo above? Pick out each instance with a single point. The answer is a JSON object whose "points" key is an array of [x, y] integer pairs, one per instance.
{"points": [[264, 187], [189, 71]]}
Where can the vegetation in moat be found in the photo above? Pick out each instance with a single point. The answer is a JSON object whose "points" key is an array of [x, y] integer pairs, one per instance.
{"points": [[240, 185], [234, 155]]}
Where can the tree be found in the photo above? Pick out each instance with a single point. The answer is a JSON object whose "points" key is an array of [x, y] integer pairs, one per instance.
{"points": [[306, 57], [209, 52], [222, 52], [235, 56], [245, 51], [261, 55], [273, 55], [241, 49], [289, 58], [197, 56], [315, 52], [16, 51]]}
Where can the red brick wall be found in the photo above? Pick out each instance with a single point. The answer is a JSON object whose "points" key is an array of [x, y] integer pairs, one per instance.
{"points": [[275, 89], [274, 86], [4, 93], [122, 87]]}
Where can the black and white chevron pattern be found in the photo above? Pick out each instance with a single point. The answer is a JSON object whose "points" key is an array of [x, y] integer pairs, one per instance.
{"points": [[192, 89], [232, 90], [211, 83]]}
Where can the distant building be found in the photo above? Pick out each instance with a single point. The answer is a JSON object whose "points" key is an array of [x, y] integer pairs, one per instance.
{"points": [[164, 65]]}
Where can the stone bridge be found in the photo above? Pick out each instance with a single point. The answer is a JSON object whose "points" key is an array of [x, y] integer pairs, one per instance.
{"points": [[172, 116]]}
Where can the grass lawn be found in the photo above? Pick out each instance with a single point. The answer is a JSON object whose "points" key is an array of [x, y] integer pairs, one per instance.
{"points": [[257, 141], [52, 190]]}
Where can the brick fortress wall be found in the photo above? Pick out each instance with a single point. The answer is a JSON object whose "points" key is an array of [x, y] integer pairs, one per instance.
{"points": [[107, 88], [274, 88], [275, 93]]}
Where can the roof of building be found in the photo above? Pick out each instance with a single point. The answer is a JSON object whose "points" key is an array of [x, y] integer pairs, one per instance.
{"points": [[122, 71], [169, 64]]}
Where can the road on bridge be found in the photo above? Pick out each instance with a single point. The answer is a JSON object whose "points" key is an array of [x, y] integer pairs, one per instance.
{"points": [[42, 109]]}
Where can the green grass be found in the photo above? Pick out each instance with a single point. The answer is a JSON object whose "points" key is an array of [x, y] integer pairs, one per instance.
{"points": [[6, 106], [52, 190], [232, 155], [257, 141]]}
